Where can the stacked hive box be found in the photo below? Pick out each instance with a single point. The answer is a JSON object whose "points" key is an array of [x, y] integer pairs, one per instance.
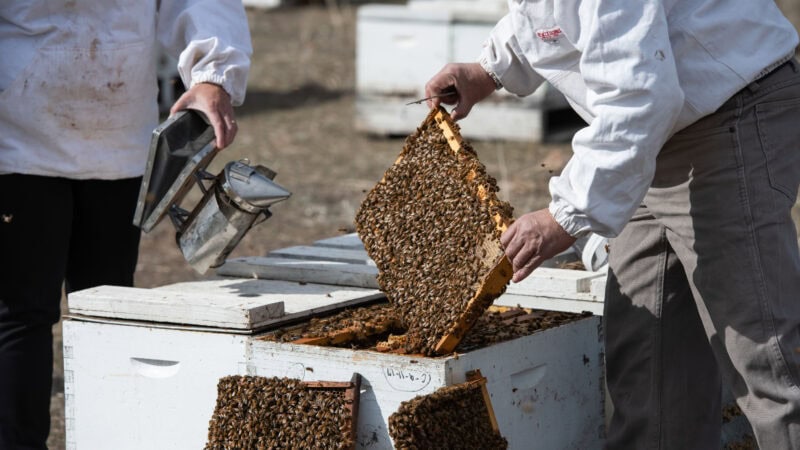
{"points": [[127, 369]]}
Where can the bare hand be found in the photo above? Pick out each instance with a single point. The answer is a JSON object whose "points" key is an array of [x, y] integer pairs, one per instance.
{"points": [[533, 239], [471, 83], [215, 103]]}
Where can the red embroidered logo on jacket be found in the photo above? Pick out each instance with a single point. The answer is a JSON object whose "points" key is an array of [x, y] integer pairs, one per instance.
{"points": [[550, 35]]}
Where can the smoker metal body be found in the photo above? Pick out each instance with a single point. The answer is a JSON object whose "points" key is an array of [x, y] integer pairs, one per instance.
{"points": [[236, 202], [233, 201]]}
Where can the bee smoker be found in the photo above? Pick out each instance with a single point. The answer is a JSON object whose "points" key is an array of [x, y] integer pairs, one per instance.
{"points": [[233, 201]]}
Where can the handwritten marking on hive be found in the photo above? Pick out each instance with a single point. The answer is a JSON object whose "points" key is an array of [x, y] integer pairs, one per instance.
{"points": [[406, 380]]}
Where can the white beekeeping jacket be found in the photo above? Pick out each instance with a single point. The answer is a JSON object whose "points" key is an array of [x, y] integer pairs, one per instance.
{"points": [[638, 71], [78, 83]]}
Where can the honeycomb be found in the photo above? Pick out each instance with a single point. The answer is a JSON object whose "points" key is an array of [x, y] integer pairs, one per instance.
{"points": [[432, 225], [262, 413], [368, 327], [453, 417]]}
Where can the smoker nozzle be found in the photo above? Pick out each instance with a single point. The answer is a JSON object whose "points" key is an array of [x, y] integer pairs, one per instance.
{"points": [[252, 188]]}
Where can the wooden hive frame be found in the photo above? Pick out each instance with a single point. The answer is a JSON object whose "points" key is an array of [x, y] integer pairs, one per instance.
{"points": [[348, 334], [474, 379], [351, 397], [498, 277], [494, 282], [505, 316]]}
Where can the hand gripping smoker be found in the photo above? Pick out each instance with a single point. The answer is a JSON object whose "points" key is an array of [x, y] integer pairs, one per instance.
{"points": [[233, 201]]}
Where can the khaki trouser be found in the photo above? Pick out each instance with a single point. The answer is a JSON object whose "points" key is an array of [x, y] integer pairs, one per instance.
{"points": [[704, 282]]}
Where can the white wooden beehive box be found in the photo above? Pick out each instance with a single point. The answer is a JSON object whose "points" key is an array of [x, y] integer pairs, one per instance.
{"points": [[139, 387], [141, 365], [400, 47], [546, 388]]}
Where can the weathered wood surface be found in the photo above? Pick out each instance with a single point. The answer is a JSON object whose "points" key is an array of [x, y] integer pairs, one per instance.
{"points": [[300, 299], [316, 253], [324, 262], [302, 270], [558, 290], [347, 241], [227, 303], [549, 280], [154, 305]]}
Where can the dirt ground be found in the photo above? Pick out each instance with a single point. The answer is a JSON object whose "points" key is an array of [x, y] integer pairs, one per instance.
{"points": [[298, 120]]}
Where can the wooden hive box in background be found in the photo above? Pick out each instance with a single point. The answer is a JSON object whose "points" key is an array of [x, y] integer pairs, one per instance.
{"points": [[432, 225], [400, 46]]}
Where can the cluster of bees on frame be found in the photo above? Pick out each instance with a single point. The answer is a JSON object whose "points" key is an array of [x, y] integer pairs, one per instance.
{"points": [[503, 325], [369, 326], [263, 413], [425, 227], [492, 327], [452, 417]]}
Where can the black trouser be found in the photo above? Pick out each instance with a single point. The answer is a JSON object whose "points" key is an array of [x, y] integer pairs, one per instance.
{"points": [[52, 231]]}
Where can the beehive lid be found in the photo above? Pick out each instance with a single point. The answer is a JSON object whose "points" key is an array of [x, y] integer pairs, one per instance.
{"points": [[235, 305], [339, 260], [432, 226]]}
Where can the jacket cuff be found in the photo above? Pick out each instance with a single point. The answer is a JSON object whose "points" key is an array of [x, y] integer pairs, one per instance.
{"points": [[213, 78], [501, 59], [237, 95], [490, 71], [575, 225]]}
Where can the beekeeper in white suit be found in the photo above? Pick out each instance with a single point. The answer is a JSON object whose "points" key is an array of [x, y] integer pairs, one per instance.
{"points": [[78, 104], [692, 159]]}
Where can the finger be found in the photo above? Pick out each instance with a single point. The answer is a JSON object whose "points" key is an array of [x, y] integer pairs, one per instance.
{"points": [[440, 82], [179, 105], [509, 234], [450, 99], [513, 249], [511, 245], [220, 130], [524, 256], [526, 270], [232, 129], [429, 92], [461, 110], [523, 271]]}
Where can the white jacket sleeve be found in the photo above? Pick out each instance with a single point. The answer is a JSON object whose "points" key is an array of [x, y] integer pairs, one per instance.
{"points": [[210, 39], [633, 93], [502, 56]]}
